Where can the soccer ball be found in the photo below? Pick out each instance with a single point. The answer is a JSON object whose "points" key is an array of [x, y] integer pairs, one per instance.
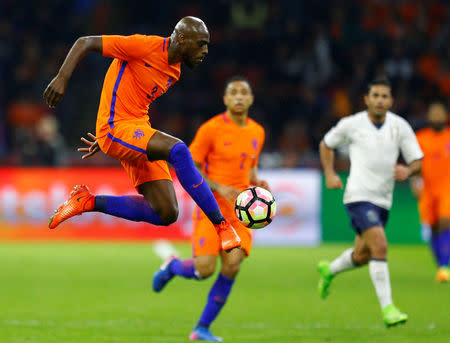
{"points": [[255, 207]]}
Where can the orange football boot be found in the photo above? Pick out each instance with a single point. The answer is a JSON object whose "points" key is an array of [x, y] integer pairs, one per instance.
{"points": [[228, 236], [443, 275], [81, 200]]}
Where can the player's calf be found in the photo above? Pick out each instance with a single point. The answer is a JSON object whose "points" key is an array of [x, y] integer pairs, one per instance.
{"points": [[217, 298], [443, 249], [161, 199]]}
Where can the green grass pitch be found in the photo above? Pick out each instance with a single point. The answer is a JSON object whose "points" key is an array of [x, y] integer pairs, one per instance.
{"points": [[100, 292]]}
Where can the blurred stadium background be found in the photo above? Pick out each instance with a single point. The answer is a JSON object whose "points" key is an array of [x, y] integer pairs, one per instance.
{"points": [[308, 63]]}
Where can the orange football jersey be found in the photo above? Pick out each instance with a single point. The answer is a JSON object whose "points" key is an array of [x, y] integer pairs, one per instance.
{"points": [[436, 160], [228, 151], [139, 74]]}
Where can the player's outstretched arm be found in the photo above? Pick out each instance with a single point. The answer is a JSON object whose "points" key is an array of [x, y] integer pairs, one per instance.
{"points": [[228, 192], [332, 180], [55, 90]]}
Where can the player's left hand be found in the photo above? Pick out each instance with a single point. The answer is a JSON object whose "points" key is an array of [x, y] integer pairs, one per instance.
{"points": [[263, 184], [401, 172], [92, 148]]}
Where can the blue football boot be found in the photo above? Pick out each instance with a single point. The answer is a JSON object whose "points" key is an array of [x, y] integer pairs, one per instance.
{"points": [[163, 275], [203, 334]]}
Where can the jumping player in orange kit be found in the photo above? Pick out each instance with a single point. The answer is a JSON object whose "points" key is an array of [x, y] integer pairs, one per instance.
{"points": [[226, 149], [144, 67], [433, 192]]}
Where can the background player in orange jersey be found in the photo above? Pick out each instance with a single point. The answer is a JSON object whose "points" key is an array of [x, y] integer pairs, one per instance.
{"points": [[226, 150], [433, 188], [144, 67]]}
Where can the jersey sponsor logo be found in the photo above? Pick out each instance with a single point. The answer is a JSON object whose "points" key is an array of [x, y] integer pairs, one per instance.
{"points": [[255, 143], [202, 241], [138, 134], [195, 186]]}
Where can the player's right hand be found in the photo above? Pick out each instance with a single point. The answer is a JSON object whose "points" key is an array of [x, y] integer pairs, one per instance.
{"points": [[333, 181], [92, 148], [228, 192], [55, 91]]}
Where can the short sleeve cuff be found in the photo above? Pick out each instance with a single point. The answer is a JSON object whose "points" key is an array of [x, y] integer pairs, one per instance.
{"points": [[326, 141]]}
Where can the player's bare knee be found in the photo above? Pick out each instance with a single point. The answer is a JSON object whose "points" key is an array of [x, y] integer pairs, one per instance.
{"points": [[364, 259], [160, 146], [205, 265], [443, 225], [206, 270], [169, 215], [376, 241], [361, 259], [174, 141], [231, 270], [379, 250]]}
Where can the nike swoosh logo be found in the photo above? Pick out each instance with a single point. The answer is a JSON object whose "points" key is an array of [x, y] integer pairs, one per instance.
{"points": [[227, 143], [195, 186], [148, 65], [81, 197], [219, 299]]}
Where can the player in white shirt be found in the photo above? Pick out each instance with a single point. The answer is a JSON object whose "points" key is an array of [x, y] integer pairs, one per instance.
{"points": [[375, 138]]}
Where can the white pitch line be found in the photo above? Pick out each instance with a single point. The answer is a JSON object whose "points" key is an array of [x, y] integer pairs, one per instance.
{"points": [[164, 249], [154, 323]]}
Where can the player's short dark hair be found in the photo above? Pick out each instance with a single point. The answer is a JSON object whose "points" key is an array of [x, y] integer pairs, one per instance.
{"points": [[234, 79], [379, 81]]}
